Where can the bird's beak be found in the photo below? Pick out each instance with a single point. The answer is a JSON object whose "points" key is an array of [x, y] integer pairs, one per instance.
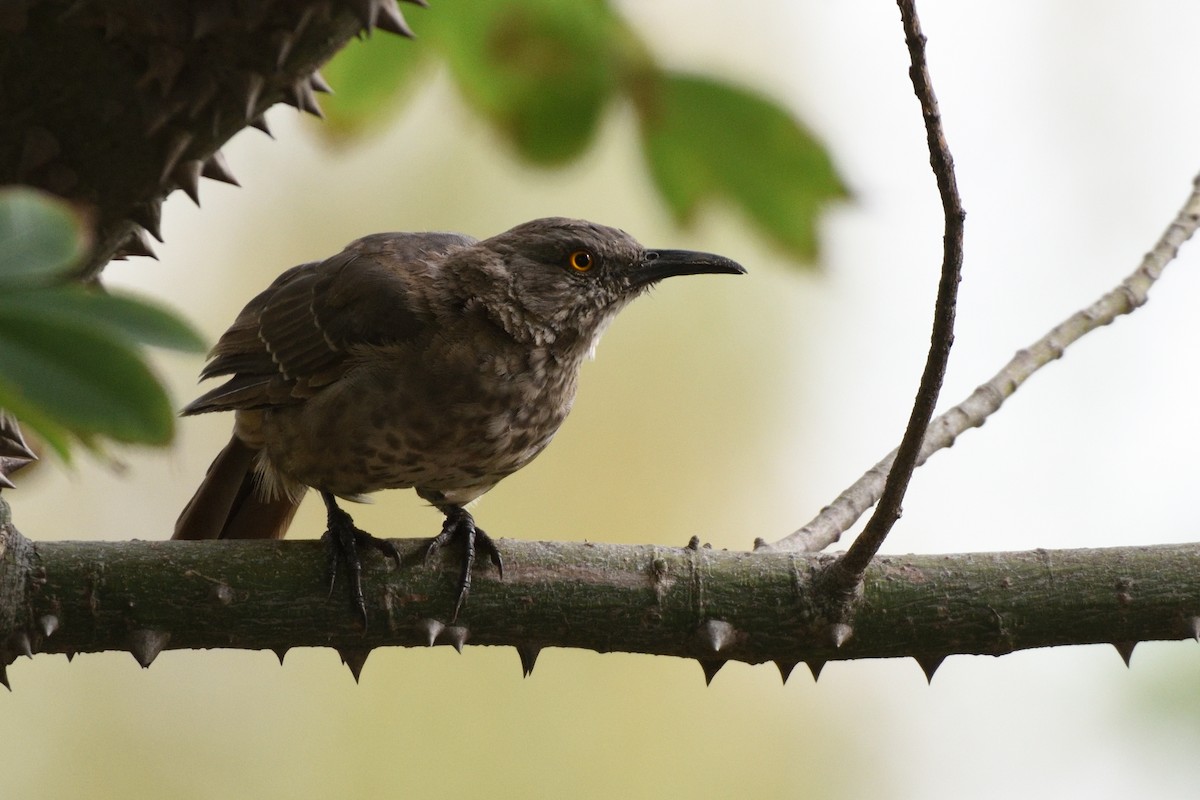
{"points": [[659, 264]]}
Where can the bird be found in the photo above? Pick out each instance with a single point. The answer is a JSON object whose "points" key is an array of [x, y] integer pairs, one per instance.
{"points": [[431, 361]]}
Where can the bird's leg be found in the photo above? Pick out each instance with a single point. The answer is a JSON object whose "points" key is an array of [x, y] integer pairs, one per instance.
{"points": [[342, 541], [459, 523]]}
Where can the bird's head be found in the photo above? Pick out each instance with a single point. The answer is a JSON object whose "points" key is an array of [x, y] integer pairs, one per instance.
{"points": [[563, 280]]}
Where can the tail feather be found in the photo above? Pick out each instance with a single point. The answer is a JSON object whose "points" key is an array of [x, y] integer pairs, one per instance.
{"points": [[228, 504]]}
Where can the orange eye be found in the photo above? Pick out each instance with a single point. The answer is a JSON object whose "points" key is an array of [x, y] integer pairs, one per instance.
{"points": [[581, 260]]}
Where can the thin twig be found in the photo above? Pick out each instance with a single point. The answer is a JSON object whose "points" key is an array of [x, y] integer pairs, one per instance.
{"points": [[851, 566], [1131, 294]]}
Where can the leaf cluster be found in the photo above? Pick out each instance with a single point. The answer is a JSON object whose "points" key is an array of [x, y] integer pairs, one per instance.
{"points": [[543, 72], [71, 360]]}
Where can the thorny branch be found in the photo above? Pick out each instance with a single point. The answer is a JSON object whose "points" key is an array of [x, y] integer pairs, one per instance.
{"points": [[67, 597], [848, 570], [113, 106], [689, 602]]}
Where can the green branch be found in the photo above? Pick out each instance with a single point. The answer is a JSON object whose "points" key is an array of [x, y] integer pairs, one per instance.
{"points": [[713, 606]]}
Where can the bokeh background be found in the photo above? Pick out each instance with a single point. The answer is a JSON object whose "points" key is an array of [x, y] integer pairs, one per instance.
{"points": [[726, 408]]}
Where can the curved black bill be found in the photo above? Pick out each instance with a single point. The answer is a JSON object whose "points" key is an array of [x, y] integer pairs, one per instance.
{"points": [[659, 264]]}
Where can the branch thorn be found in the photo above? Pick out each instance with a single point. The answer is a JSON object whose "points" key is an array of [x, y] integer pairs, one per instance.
{"points": [[22, 644], [929, 665], [1126, 650], [457, 636], [49, 624], [840, 633], [717, 634], [354, 658], [432, 629], [711, 668], [146, 643], [528, 654]]}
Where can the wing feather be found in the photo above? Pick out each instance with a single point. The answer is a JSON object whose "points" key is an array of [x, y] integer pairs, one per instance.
{"points": [[299, 334]]}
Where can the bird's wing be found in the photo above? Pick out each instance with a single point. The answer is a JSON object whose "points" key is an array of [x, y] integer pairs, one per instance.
{"points": [[298, 335]]}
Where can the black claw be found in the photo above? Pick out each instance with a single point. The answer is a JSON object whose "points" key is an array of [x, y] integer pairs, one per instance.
{"points": [[343, 540], [387, 547], [464, 577], [448, 529], [333, 555], [484, 543], [459, 523]]}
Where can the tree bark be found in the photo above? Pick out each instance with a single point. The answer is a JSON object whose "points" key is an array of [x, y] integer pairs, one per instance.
{"points": [[714, 606]]}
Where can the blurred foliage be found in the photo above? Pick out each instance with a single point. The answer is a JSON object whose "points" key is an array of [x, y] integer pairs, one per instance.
{"points": [[71, 365], [542, 72], [759, 157]]}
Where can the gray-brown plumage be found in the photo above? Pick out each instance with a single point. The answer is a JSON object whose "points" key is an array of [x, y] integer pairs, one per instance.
{"points": [[424, 360]]}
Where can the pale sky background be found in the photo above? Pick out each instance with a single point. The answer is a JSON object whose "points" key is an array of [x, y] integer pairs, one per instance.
{"points": [[727, 408]]}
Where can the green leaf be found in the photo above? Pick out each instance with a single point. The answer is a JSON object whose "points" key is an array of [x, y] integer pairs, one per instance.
{"points": [[30, 418], [541, 71], [370, 78], [41, 237], [125, 316], [706, 139], [79, 378], [70, 364]]}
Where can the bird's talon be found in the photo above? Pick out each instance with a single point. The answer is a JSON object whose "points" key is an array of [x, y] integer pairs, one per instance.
{"points": [[385, 546], [487, 545], [460, 524], [343, 541]]}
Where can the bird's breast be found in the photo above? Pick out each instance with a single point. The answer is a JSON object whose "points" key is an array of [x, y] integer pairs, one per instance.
{"points": [[451, 420]]}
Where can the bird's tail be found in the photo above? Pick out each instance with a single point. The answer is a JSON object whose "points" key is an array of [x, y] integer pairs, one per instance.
{"points": [[228, 504]]}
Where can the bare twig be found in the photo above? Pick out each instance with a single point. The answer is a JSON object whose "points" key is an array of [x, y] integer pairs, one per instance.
{"points": [[850, 567], [1125, 298]]}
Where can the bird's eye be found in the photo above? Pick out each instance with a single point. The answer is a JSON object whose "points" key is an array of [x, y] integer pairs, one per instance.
{"points": [[581, 261]]}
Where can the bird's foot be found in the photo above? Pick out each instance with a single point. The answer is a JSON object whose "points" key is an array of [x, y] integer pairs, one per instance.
{"points": [[343, 541], [459, 523]]}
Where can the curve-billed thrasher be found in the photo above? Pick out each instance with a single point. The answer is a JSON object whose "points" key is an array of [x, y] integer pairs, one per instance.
{"points": [[424, 360]]}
